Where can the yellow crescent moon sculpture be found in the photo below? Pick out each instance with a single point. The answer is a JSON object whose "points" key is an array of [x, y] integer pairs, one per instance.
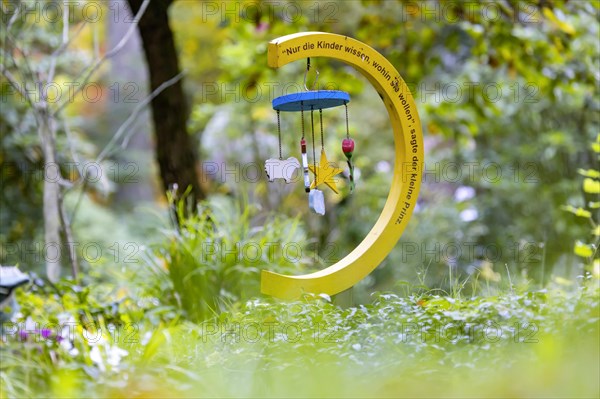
{"points": [[406, 180]]}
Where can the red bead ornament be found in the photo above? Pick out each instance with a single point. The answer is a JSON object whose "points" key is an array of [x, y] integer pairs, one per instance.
{"points": [[348, 147]]}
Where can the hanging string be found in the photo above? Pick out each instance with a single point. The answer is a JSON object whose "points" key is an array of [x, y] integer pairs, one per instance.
{"points": [[306, 72], [347, 129], [348, 149], [279, 133], [302, 116], [312, 128], [321, 124]]}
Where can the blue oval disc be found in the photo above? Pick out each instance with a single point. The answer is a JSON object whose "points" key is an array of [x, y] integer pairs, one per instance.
{"points": [[319, 99]]}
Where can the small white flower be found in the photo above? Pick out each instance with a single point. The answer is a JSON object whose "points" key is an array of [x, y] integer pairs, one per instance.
{"points": [[464, 193], [468, 215], [30, 325], [146, 338], [115, 354], [383, 167], [96, 357]]}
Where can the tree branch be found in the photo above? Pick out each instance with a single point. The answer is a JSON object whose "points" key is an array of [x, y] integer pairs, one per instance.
{"points": [[13, 18], [66, 42], [70, 144], [91, 70], [13, 40], [15, 84], [120, 132], [129, 121], [66, 223]]}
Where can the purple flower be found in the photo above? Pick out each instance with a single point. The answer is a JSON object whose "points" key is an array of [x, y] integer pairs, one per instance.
{"points": [[23, 335], [45, 333]]}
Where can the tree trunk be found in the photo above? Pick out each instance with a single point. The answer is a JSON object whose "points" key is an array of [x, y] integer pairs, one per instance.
{"points": [[175, 149], [52, 226]]}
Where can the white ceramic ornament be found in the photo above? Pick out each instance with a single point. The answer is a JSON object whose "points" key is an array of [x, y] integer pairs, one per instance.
{"points": [[316, 201], [281, 168]]}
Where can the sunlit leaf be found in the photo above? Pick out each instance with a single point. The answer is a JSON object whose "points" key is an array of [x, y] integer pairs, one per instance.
{"points": [[583, 250], [488, 273], [562, 25], [591, 186], [562, 281], [589, 173], [577, 211]]}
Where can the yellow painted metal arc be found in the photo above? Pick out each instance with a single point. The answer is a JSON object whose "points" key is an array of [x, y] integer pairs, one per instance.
{"points": [[406, 181]]}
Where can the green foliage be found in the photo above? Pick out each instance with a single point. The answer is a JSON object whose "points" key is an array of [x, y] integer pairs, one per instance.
{"points": [[542, 57], [591, 189], [535, 133], [511, 345], [20, 169], [186, 321], [66, 336], [513, 91], [32, 47], [215, 256]]}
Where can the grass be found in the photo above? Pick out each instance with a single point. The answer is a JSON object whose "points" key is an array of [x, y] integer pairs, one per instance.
{"points": [[528, 344], [215, 256]]}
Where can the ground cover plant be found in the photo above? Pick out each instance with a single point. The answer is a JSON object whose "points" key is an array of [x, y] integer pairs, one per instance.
{"points": [[133, 197], [514, 344]]}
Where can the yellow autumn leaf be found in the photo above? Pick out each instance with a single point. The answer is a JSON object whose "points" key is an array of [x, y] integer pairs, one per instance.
{"points": [[596, 231], [562, 25], [191, 46], [487, 272], [258, 113]]}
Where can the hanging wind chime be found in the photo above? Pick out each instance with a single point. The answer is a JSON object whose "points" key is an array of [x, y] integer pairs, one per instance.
{"points": [[323, 171]]}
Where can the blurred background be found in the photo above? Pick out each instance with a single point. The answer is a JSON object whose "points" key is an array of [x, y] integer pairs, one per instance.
{"points": [[508, 95]]}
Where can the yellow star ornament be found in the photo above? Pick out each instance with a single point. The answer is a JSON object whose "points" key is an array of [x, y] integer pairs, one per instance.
{"points": [[325, 173]]}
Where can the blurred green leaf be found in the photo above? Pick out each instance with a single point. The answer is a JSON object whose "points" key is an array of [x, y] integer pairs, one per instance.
{"points": [[577, 211], [583, 250], [589, 173], [591, 186]]}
